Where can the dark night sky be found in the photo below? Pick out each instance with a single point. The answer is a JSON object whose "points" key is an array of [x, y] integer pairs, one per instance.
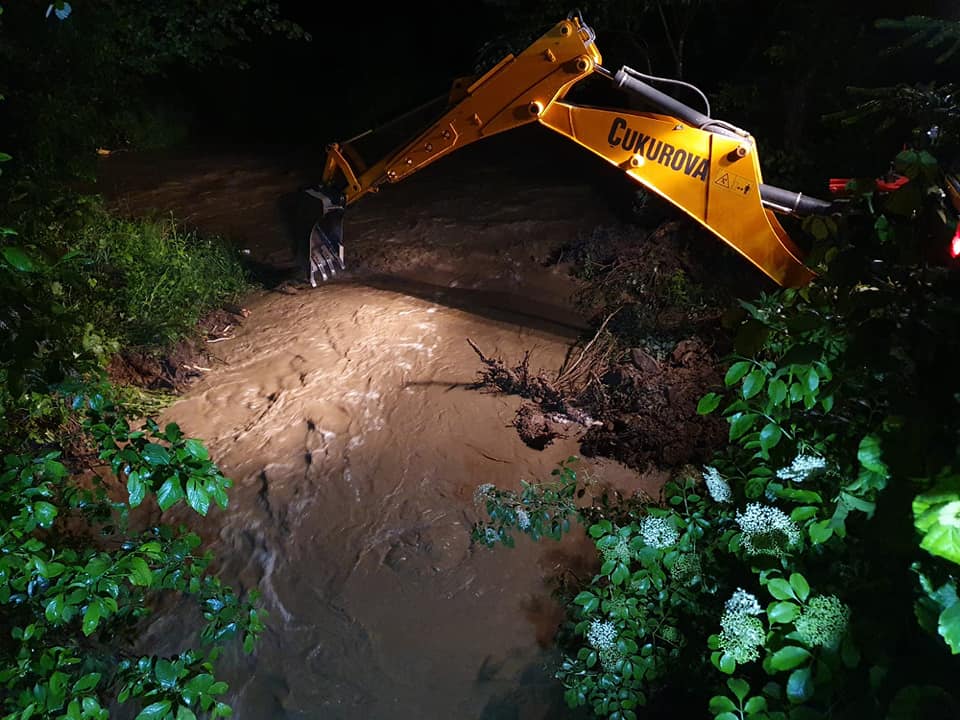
{"points": [[362, 59], [366, 64]]}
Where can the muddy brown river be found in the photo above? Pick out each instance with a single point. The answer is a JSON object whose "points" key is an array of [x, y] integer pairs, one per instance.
{"points": [[346, 417]]}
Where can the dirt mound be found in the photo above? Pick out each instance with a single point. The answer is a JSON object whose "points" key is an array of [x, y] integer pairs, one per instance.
{"points": [[641, 412], [649, 409]]}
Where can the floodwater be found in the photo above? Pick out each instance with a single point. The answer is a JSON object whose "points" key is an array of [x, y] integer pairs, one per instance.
{"points": [[346, 416]]}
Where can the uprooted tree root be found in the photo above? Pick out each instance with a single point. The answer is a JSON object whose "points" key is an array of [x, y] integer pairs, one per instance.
{"points": [[549, 412], [640, 411]]}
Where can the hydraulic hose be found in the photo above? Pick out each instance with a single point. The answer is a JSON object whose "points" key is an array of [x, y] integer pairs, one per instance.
{"points": [[670, 105], [773, 198], [794, 203]]}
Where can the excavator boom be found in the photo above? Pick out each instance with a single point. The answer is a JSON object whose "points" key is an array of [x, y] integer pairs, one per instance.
{"points": [[706, 167]]}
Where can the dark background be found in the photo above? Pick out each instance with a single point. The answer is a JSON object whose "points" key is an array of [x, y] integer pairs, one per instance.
{"points": [[776, 69], [365, 64]]}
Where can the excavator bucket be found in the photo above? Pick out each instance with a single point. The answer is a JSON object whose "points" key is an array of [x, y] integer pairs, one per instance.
{"points": [[325, 252]]}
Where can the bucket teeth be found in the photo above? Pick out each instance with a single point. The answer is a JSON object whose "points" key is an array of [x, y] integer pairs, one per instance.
{"points": [[324, 258], [325, 246]]}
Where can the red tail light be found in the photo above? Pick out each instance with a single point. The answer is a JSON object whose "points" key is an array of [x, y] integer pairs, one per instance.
{"points": [[955, 243]]}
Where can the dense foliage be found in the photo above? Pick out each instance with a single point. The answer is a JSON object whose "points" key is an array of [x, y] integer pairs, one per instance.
{"points": [[811, 569], [87, 552], [78, 575]]}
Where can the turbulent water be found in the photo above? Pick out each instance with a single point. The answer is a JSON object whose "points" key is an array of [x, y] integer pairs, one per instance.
{"points": [[346, 417]]}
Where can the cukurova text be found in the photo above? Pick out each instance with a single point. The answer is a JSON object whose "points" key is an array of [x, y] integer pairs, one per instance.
{"points": [[678, 159]]}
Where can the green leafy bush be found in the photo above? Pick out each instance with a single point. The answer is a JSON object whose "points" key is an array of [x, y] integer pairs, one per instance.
{"points": [[811, 570], [77, 581], [155, 280], [134, 282], [77, 577]]}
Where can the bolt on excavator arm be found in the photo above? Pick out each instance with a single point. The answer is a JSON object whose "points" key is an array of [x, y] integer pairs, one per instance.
{"points": [[706, 167]]}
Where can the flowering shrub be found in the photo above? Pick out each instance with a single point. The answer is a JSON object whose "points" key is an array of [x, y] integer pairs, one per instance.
{"points": [[810, 570]]}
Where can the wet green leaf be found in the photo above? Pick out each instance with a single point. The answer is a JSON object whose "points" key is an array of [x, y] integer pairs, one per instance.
{"points": [[820, 532], [54, 609], [86, 682], [197, 449], [136, 489], [727, 664], [91, 618], [45, 513], [736, 372], [172, 432], [770, 435], [166, 674], [783, 612], [803, 496], [948, 626], [721, 703], [156, 454], [740, 688], [800, 586], [197, 497], [140, 572], [777, 391], [800, 686], [708, 403], [18, 259], [753, 384], [937, 518], [870, 454], [781, 589], [170, 493], [741, 423], [154, 711], [789, 657], [884, 229]]}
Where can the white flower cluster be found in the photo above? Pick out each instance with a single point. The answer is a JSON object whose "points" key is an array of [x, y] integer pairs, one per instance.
{"points": [[602, 635], [491, 535], [823, 621], [767, 530], [741, 634], [658, 532], [482, 491], [718, 488], [802, 467], [742, 602], [686, 567], [523, 519]]}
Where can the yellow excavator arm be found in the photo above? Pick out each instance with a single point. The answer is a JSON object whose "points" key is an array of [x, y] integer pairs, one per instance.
{"points": [[706, 167]]}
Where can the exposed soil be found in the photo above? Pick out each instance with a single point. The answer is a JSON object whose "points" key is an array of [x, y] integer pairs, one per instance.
{"points": [[179, 366], [650, 410], [357, 420]]}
